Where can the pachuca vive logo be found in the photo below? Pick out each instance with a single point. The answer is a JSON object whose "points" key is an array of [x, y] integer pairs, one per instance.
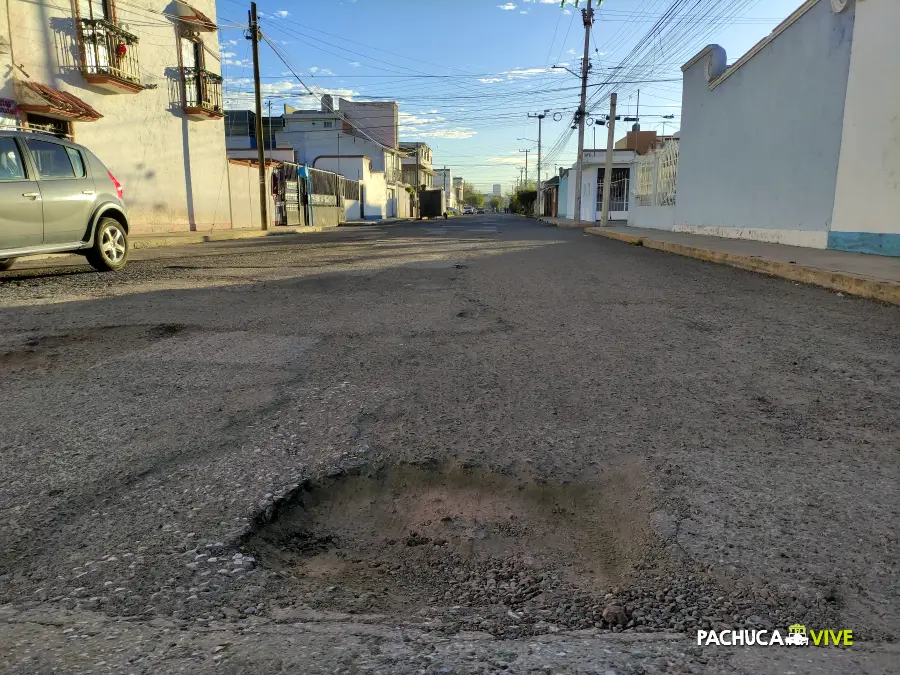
{"points": [[797, 636]]}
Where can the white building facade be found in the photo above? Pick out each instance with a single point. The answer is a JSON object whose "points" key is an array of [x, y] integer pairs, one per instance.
{"points": [[350, 140], [138, 84], [443, 179], [592, 177], [797, 142]]}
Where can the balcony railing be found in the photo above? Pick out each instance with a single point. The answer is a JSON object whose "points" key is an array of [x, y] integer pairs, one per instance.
{"points": [[202, 92], [110, 55]]}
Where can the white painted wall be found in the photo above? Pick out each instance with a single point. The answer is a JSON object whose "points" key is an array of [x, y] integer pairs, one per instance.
{"points": [[867, 195], [173, 170], [759, 151], [653, 217], [243, 181]]}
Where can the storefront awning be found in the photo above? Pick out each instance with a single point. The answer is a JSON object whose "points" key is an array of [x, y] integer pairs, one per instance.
{"points": [[42, 100], [194, 17]]}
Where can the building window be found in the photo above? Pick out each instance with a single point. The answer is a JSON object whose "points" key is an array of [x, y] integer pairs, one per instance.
{"points": [[328, 124], [60, 128], [109, 53], [202, 89]]}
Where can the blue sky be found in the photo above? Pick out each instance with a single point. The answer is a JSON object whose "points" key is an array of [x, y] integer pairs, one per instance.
{"points": [[466, 73]]}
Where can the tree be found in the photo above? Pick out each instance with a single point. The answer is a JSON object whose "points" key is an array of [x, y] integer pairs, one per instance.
{"points": [[475, 199], [496, 202], [468, 189]]}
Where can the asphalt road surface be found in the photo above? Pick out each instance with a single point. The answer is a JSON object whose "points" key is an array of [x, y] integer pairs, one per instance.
{"points": [[474, 445]]}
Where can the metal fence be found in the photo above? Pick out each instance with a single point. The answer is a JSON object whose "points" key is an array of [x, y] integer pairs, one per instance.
{"points": [[326, 187], [351, 189], [657, 172]]}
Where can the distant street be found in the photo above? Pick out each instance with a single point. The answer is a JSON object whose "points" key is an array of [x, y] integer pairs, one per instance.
{"points": [[440, 446]]}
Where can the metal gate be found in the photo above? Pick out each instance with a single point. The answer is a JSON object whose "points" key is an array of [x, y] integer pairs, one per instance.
{"points": [[289, 191]]}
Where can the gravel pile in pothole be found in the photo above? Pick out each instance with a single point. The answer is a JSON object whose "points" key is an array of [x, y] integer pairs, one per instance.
{"points": [[509, 598]]}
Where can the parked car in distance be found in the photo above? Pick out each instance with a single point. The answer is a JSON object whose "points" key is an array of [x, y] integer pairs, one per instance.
{"points": [[468, 210], [480, 211], [57, 197]]}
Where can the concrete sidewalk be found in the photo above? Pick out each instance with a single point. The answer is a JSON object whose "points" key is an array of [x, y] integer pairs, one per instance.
{"points": [[868, 276], [154, 240]]}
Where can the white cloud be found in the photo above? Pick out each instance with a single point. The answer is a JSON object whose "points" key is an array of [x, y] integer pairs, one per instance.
{"points": [[237, 62], [508, 6], [286, 91], [570, 52], [524, 11], [283, 13], [355, 64], [549, 2], [408, 121], [228, 43], [520, 73], [226, 55], [515, 159], [567, 11], [313, 69], [489, 80], [449, 133]]}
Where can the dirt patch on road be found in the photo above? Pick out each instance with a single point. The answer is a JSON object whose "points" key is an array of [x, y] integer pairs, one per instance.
{"points": [[38, 352], [480, 550], [355, 529]]}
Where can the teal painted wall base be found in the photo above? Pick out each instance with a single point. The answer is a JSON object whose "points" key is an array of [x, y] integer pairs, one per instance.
{"points": [[865, 242]]}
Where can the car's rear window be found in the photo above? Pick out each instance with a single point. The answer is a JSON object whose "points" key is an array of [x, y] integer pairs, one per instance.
{"points": [[52, 159], [77, 162]]}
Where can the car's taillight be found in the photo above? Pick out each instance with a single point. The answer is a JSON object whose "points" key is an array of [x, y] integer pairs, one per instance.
{"points": [[116, 183]]}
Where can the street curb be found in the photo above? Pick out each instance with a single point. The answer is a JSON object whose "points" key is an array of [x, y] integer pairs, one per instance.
{"points": [[884, 291], [552, 224], [162, 240], [159, 241]]}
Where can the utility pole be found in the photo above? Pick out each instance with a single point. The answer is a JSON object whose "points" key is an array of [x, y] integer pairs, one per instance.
{"points": [[610, 150], [260, 145], [416, 186], [271, 138], [540, 196], [587, 18], [526, 151]]}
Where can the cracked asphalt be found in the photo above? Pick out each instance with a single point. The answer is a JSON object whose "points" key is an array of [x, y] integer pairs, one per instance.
{"points": [[738, 426]]}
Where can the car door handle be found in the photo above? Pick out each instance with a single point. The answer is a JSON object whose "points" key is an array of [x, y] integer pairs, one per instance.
{"points": [[87, 192], [32, 195]]}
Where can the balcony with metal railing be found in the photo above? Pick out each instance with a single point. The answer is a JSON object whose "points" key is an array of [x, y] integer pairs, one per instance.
{"points": [[110, 56], [202, 94]]}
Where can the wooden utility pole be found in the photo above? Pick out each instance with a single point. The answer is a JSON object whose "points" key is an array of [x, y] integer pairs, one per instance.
{"points": [[587, 18], [260, 145], [610, 151]]}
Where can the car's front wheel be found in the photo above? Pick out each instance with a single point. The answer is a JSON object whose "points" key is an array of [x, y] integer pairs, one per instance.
{"points": [[6, 263], [110, 250]]}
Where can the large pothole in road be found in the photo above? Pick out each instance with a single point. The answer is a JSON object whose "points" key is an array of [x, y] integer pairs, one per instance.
{"points": [[479, 550], [362, 530]]}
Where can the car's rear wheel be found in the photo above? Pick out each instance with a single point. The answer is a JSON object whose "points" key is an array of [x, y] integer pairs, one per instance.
{"points": [[6, 263], [110, 250]]}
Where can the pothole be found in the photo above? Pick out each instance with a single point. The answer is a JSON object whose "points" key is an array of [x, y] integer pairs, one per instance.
{"points": [[359, 529], [471, 549]]}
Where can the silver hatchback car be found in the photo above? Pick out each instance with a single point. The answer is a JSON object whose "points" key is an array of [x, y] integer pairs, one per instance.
{"points": [[57, 197]]}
